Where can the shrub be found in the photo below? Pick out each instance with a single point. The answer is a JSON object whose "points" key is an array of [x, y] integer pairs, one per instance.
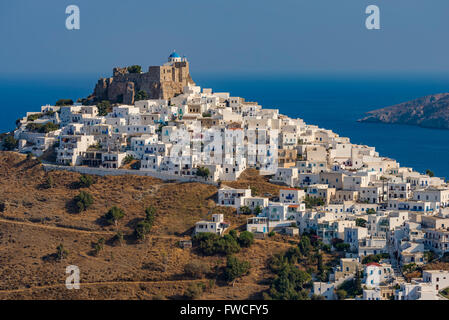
{"points": [[235, 268], [305, 245], [134, 69], [370, 211], [104, 107], [117, 238], [342, 246], [409, 268], [203, 172], [83, 201], [194, 290], [34, 116], [9, 143], [142, 229], [350, 288], [246, 239], [211, 243], [48, 183], [64, 102], [86, 181], [114, 215], [128, 158], [99, 246], [313, 202], [196, 269], [430, 173], [140, 95], [61, 252], [42, 128], [245, 210], [149, 214], [375, 257], [290, 284], [359, 222]]}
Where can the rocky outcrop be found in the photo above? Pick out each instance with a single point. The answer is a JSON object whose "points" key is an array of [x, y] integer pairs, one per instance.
{"points": [[160, 82], [430, 111]]}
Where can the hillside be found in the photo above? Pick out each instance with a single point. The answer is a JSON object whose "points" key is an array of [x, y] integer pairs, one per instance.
{"points": [[430, 111], [35, 220]]}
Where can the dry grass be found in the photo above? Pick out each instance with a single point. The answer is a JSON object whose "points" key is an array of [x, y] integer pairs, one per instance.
{"points": [[34, 221]]}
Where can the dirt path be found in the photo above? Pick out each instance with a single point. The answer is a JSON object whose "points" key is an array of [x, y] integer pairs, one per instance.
{"points": [[37, 225], [50, 227], [107, 283]]}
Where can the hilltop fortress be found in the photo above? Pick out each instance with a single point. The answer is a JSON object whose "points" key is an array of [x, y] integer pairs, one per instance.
{"points": [[160, 82]]}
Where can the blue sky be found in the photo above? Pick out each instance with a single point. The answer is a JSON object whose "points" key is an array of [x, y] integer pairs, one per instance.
{"points": [[297, 36]]}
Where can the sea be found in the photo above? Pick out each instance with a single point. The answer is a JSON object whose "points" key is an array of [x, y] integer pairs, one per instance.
{"points": [[331, 101]]}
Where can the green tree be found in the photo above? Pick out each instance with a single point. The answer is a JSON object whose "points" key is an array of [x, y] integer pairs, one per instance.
{"points": [[258, 210], [313, 202], [290, 284], [9, 143], [83, 201], [128, 159], [104, 107], [140, 95], [34, 116], [233, 233], [245, 210], [211, 243], [360, 222], [409, 268], [61, 252], [86, 181], [375, 257], [203, 172], [342, 246], [135, 69], [114, 215], [304, 245], [142, 229], [149, 214], [118, 238], [42, 128], [235, 268], [246, 239], [430, 173], [64, 102], [98, 247]]}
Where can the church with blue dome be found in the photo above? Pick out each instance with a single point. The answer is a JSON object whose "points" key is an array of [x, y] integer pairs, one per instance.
{"points": [[175, 57]]}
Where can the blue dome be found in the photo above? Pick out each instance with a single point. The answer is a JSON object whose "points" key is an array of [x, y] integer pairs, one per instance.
{"points": [[174, 55]]}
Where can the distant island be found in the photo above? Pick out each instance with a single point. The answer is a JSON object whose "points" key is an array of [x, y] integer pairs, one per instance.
{"points": [[431, 111]]}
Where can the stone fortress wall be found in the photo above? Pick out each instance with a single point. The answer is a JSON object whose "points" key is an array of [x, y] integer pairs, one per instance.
{"points": [[160, 82]]}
